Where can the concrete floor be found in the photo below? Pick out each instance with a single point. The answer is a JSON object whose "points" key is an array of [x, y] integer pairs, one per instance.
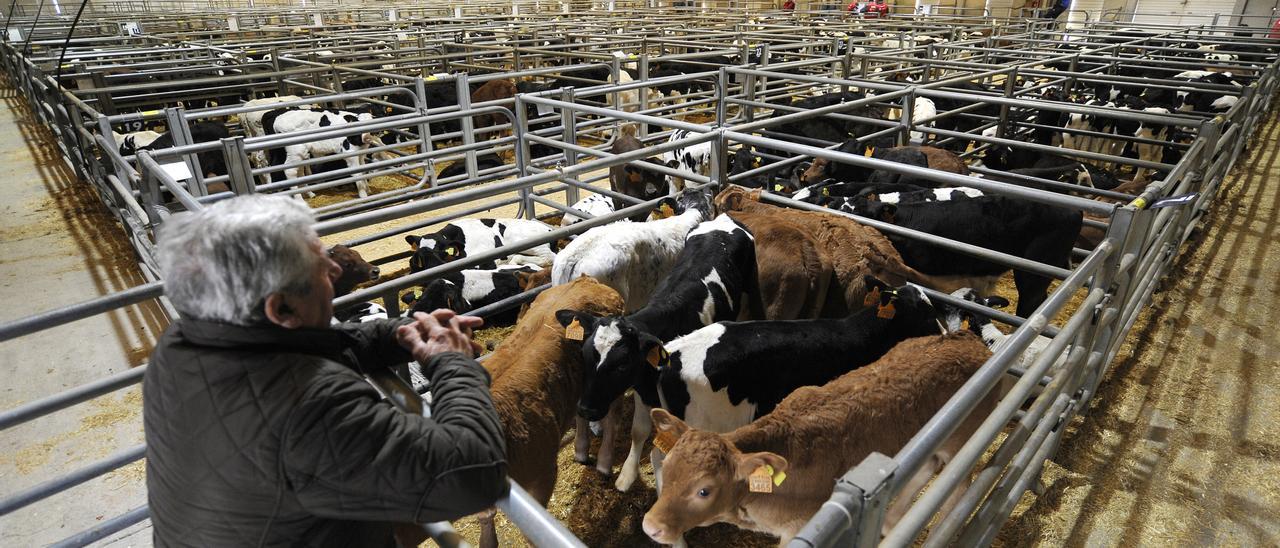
{"points": [[59, 246]]}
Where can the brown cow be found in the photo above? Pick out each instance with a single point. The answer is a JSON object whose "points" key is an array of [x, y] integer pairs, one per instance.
{"points": [[355, 270], [493, 90], [537, 381], [815, 435], [631, 180], [852, 251], [935, 158]]}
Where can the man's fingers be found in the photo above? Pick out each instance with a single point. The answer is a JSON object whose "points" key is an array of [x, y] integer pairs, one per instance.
{"points": [[470, 322], [443, 315]]}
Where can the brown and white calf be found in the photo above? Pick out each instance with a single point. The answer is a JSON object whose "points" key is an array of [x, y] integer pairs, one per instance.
{"points": [[814, 436], [537, 380]]}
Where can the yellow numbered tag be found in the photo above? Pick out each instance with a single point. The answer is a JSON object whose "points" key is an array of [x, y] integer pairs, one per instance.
{"points": [[761, 480], [886, 312], [574, 331], [870, 151]]}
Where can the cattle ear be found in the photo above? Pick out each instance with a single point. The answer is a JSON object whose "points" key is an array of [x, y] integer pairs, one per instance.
{"points": [[749, 463], [655, 354], [413, 241], [875, 289], [888, 213], [567, 316], [995, 301], [667, 423], [672, 164]]}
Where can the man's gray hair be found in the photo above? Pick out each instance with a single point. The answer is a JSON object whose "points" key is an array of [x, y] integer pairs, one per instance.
{"points": [[221, 263]]}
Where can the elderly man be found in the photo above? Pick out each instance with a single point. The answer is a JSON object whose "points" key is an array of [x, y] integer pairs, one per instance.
{"points": [[261, 428]]}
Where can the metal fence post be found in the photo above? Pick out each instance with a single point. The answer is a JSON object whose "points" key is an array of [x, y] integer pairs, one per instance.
{"points": [[569, 134], [467, 123], [180, 132], [239, 169]]}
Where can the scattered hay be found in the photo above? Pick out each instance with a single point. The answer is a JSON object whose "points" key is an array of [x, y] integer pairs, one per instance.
{"points": [[492, 336]]}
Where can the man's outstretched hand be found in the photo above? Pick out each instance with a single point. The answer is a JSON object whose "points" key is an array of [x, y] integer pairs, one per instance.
{"points": [[439, 331]]}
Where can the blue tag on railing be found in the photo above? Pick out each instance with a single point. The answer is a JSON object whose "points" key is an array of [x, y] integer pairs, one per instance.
{"points": [[1181, 199]]}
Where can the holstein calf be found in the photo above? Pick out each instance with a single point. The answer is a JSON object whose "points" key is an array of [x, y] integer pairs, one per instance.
{"points": [[537, 381], [1030, 230], [713, 279], [467, 290], [594, 205], [693, 158], [292, 121], [469, 237], [995, 339], [632, 257], [813, 437]]}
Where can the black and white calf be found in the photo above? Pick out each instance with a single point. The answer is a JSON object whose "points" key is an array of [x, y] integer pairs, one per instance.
{"points": [[292, 120], [714, 279], [633, 257], [994, 338], [727, 374], [1030, 230], [469, 237], [693, 158], [468, 290], [594, 205]]}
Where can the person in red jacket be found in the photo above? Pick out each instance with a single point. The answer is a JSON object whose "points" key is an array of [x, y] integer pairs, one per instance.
{"points": [[789, 5], [879, 9], [1275, 30]]}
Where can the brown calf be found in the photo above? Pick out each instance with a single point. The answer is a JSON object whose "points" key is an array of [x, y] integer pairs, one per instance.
{"points": [[815, 435], [629, 179], [537, 381], [493, 90], [355, 270]]}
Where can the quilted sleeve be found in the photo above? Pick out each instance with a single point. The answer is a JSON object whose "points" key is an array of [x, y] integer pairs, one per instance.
{"points": [[349, 455], [375, 342]]}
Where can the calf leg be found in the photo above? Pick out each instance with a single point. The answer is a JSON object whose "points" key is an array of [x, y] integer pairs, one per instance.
{"points": [[582, 440], [604, 459], [293, 156], [362, 184], [641, 426], [488, 532]]}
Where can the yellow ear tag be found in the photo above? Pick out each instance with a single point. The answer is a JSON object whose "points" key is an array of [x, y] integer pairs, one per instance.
{"points": [[964, 324], [665, 211], [417, 293], [450, 251], [761, 480], [574, 331], [886, 312], [755, 163], [777, 188], [870, 152], [431, 78], [657, 357], [872, 298], [665, 440], [826, 192], [778, 476]]}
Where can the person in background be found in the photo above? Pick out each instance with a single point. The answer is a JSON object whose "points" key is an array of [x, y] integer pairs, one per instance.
{"points": [[261, 428], [1059, 6], [789, 5]]}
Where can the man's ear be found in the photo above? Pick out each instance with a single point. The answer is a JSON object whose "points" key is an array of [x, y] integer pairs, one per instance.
{"points": [[666, 422], [280, 313], [750, 462]]}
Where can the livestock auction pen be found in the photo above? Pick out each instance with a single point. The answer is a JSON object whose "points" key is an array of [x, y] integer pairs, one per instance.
{"points": [[1158, 430]]}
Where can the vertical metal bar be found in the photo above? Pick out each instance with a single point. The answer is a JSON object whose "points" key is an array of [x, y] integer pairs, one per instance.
{"points": [[569, 134], [467, 123]]}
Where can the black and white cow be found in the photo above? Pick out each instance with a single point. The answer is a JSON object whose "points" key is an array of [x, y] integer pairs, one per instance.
{"points": [[714, 279], [727, 374], [467, 290], [594, 205], [693, 158], [1194, 100], [295, 120], [469, 237], [360, 313], [1030, 230], [633, 257]]}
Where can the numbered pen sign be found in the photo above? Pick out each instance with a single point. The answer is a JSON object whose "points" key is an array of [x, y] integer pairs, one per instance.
{"points": [[15, 35], [130, 29]]}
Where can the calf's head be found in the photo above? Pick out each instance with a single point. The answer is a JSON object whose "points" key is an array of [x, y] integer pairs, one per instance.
{"points": [[432, 250], [614, 352], [439, 294], [734, 198], [907, 307], [355, 270], [704, 477]]}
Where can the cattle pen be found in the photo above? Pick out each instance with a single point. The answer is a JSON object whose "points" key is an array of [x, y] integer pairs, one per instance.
{"points": [[587, 72]]}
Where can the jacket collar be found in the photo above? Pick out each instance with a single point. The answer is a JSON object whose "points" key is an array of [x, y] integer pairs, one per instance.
{"points": [[325, 341]]}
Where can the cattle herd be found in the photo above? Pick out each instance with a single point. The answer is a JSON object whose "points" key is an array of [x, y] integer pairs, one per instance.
{"points": [[763, 349]]}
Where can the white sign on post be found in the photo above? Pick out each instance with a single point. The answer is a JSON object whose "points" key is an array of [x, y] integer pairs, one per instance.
{"points": [[544, 110], [233, 23], [457, 12], [130, 28], [178, 170], [317, 19], [391, 15], [15, 35]]}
